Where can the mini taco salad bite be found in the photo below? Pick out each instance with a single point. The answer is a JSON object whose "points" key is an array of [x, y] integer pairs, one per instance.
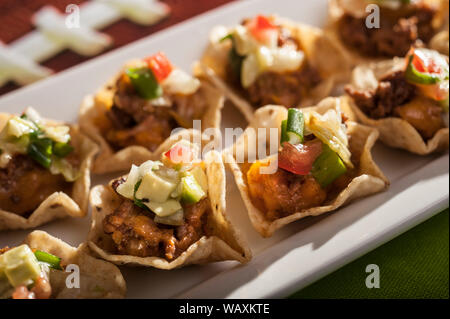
{"points": [[323, 162], [376, 29], [167, 213], [136, 111], [405, 99], [44, 170], [271, 60], [39, 269]]}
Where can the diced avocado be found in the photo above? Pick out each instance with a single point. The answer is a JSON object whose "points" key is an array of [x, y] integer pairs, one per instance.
{"points": [[20, 266], [328, 167], [191, 192], [200, 177], [155, 188], [5, 286], [176, 219], [164, 209]]}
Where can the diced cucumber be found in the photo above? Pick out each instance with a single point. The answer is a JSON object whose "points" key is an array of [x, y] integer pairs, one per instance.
{"points": [[164, 209], [155, 188], [295, 126], [191, 192], [176, 219], [328, 167], [200, 177], [20, 266]]}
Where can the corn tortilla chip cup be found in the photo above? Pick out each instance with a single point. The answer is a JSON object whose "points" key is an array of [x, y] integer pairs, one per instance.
{"points": [[92, 112], [222, 243], [98, 278], [59, 204], [320, 52], [337, 8], [394, 132], [368, 180]]}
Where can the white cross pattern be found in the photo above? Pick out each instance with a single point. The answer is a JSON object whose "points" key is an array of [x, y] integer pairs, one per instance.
{"points": [[19, 62]]}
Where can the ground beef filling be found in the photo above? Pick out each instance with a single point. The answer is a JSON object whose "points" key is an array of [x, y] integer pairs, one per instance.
{"points": [[135, 233], [136, 121], [394, 96], [286, 89], [24, 185], [399, 30]]}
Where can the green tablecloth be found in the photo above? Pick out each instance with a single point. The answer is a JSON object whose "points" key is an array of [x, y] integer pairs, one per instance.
{"points": [[413, 265]]}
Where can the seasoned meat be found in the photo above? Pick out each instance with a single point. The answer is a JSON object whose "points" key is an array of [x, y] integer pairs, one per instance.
{"points": [[392, 91], [399, 30], [286, 89], [284, 193], [136, 121], [24, 185], [396, 97], [135, 233]]}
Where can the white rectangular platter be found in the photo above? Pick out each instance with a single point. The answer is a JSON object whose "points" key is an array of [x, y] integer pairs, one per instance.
{"points": [[296, 255]]}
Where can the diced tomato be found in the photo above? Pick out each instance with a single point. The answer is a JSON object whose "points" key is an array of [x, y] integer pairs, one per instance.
{"points": [[160, 65], [424, 64], [299, 159], [180, 153], [262, 28]]}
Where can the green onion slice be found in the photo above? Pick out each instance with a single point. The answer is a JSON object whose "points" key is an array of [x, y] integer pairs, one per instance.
{"points": [[53, 261]]}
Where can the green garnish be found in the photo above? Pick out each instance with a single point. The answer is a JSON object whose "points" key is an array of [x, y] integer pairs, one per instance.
{"points": [[138, 202], [145, 83], [235, 60], [40, 150], [62, 149], [327, 167], [292, 129], [414, 76], [228, 36], [53, 261], [191, 192]]}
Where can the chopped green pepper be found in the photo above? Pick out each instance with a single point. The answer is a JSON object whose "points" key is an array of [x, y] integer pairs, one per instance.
{"points": [[284, 136], [191, 192], [145, 83], [292, 128], [62, 149], [328, 167], [53, 261]]}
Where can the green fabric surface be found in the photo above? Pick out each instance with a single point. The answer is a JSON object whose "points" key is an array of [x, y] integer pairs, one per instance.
{"points": [[413, 265]]}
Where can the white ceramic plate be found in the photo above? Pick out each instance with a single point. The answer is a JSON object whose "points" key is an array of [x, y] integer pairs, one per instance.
{"points": [[296, 255]]}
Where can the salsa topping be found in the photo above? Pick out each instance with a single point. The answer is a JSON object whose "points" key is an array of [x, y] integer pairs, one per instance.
{"points": [[24, 274], [163, 188], [321, 154], [158, 75], [256, 49]]}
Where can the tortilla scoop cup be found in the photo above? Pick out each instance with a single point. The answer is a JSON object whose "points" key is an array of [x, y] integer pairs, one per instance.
{"points": [[59, 204], [369, 178], [223, 243], [108, 160], [98, 278], [394, 131], [320, 52]]}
